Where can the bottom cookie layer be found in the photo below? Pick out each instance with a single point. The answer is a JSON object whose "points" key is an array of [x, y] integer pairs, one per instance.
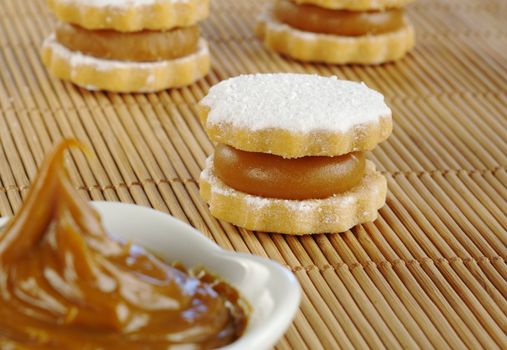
{"points": [[333, 49], [124, 76], [334, 214]]}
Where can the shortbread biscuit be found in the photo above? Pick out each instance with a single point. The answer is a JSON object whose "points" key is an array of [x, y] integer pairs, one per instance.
{"points": [[130, 15], [295, 115], [334, 49], [122, 76], [355, 5], [334, 214]]}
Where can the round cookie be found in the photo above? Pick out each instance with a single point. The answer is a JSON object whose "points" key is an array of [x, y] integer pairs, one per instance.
{"points": [[295, 115], [124, 76], [130, 15], [334, 49], [355, 5]]}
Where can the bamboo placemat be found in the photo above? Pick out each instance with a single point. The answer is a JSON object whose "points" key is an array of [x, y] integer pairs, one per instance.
{"points": [[429, 273]]}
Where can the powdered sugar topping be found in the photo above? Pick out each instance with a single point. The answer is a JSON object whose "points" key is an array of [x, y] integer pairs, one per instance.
{"points": [[293, 102]]}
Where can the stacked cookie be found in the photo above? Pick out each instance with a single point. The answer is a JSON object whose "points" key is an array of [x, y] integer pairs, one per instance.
{"points": [[337, 31], [290, 152], [128, 45]]}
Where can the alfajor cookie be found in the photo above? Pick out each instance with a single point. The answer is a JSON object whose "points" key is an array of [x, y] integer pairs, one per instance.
{"points": [[289, 154], [127, 45], [337, 31]]}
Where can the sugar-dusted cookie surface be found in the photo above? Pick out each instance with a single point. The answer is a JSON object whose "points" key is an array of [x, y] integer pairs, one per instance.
{"points": [[295, 115], [334, 214], [334, 49], [130, 15], [124, 76], [356, 5]]}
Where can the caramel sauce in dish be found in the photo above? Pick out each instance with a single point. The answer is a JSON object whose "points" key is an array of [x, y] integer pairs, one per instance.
{"points": [[338, 22], [142, 46], [271, 176], [66, 284]]}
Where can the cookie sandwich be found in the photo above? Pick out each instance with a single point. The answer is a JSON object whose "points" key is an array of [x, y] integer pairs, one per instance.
{"points": [[127, 45], [290, 152], [337, 31]]}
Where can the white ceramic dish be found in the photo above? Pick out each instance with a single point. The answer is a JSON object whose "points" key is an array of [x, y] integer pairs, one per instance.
{"points": [[272, 291]]}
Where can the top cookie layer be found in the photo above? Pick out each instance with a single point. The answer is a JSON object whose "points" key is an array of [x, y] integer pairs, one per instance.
{"points": [[295, 115], [356, 5], [130, 15]]}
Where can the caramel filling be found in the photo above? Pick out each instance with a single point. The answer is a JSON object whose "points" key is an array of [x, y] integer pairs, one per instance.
{"points": [[143, 46], [315, 19], [66, 284], [272, 176]]}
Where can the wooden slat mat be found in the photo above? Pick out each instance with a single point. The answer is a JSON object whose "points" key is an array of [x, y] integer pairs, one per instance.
{"points": [[429, 273]]}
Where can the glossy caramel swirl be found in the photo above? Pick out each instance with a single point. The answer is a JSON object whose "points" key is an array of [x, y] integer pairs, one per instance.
{"points": [[66, 284], [338, 22], [271, 176], [143, 46]]}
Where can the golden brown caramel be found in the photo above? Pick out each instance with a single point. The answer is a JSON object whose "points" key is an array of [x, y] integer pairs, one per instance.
{"points": [[66, 284], [338, 22], [270, 176], [144, 46]]}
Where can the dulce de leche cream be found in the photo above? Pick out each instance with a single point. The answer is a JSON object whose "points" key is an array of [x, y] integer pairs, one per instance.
{"points": [[66, 284]]}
